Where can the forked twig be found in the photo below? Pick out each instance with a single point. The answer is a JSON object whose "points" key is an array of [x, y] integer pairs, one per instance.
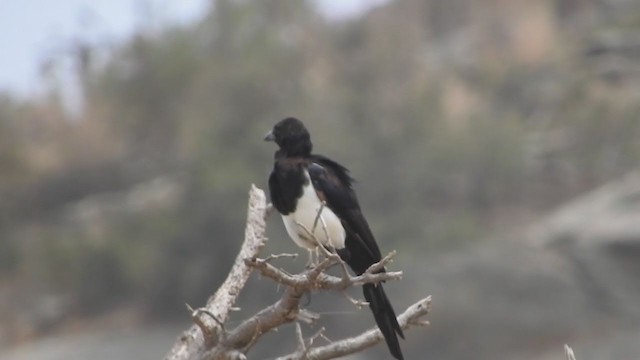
{"points": [[208, 339], [568, 352]]}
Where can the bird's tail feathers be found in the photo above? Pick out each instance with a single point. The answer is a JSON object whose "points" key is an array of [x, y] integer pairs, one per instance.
{"points": [[385, 317]]}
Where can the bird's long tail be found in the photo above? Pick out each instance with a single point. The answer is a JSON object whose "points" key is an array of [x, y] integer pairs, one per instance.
{"points": [[385, 317]]}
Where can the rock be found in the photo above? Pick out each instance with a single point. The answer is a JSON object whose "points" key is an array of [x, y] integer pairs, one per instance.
{"points": [[574, 278]]}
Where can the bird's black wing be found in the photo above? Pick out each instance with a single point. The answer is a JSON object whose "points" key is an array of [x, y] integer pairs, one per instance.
{"points": [[333, 185]]}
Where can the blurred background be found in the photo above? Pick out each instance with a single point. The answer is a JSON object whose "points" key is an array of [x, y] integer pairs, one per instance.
{"points": [[495, 144]]}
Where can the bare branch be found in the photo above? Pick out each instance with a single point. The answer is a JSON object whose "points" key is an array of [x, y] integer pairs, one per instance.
{"points": [[318, 334], [302, 346], [206, 330], [407, 319], [192, 343], [282, 255], [310, 234], [208, 338], [329, 282], [357, 303], [315, 278], [315, 221], [381, 264], [568, 352], [273, 272], [307, 316], [285, 310]]}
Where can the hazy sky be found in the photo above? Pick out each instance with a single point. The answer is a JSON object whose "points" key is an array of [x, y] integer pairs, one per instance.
{"points": [[31, 30]]}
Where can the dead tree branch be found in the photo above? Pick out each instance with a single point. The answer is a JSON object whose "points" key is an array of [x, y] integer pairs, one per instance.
{"points": [[410, 317], [568, 352], [209, 339], [201, 337]]}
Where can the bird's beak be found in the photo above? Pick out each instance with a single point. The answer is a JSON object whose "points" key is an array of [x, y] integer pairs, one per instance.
{"points": [[269, 136]]}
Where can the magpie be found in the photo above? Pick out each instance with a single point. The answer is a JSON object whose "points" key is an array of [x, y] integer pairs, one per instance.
{"points": [[315, 197]]}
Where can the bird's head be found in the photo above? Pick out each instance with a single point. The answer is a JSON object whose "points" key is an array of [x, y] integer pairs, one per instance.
{"points": [[291, 136]]}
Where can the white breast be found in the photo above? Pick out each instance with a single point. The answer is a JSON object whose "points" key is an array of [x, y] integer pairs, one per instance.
{"points": [[300, 223]]}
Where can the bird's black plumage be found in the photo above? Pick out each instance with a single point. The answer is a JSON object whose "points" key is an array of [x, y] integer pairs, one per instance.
{"points": [[299, 183]]}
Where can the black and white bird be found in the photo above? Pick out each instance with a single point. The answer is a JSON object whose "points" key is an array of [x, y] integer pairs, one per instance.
{"points": [[314, 194]]}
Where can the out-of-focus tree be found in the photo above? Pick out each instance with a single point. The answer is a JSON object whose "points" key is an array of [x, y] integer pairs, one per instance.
{"points": [[483, 114]]}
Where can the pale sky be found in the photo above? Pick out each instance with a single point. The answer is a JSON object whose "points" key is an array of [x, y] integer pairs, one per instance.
{"points": [[30, 30]]}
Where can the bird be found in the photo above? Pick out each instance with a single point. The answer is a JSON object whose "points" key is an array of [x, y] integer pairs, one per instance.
{"points": [[319, 207]]}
